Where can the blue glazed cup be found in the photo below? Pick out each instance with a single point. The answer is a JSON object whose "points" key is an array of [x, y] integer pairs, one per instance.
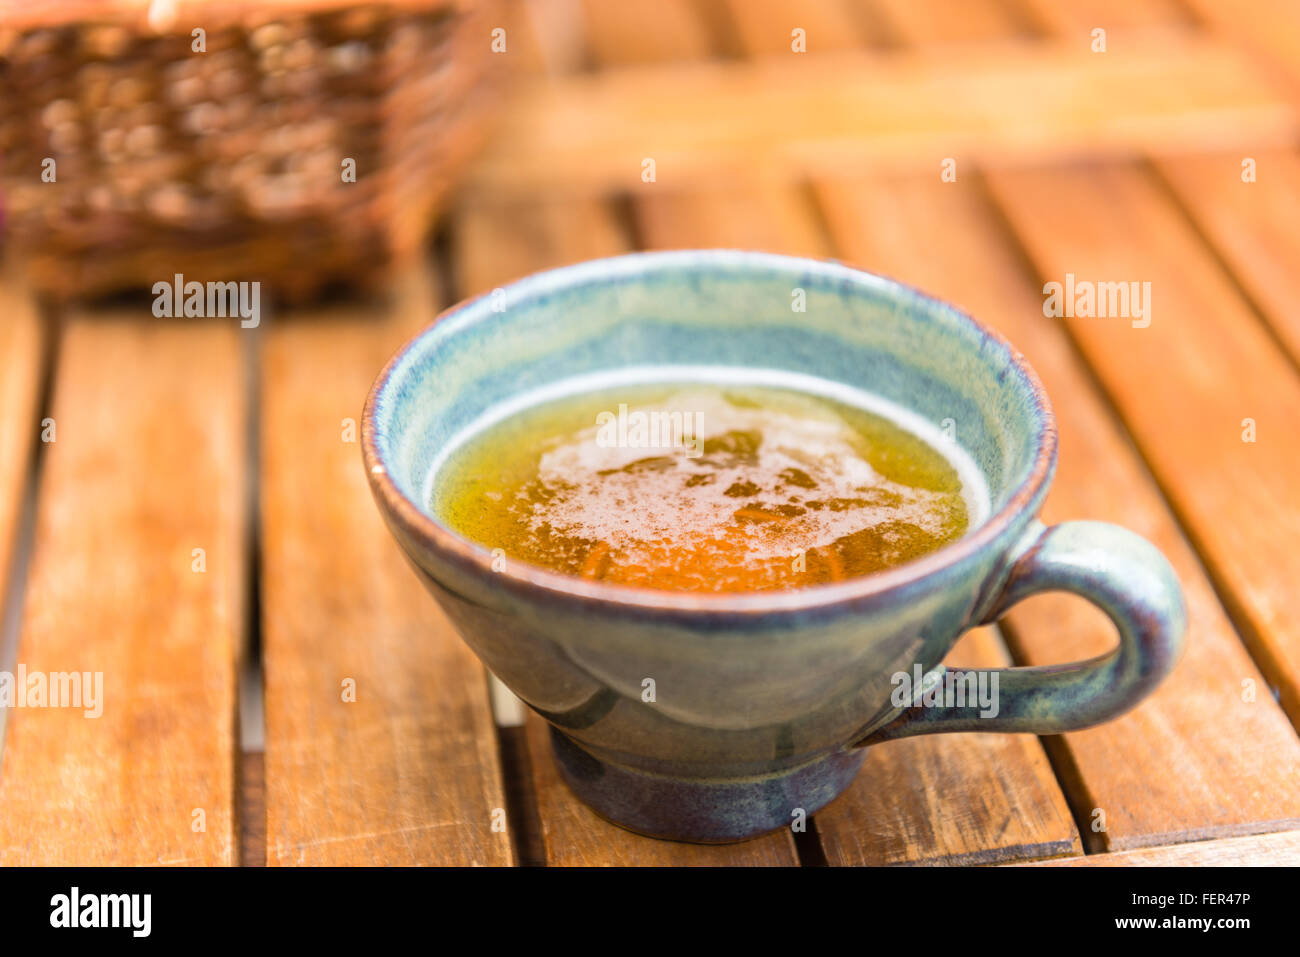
{"points": [[763, 701]]}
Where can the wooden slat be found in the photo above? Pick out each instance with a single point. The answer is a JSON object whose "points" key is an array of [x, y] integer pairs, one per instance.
{"points": [[525, 55], [22, 366], [765, 27], [1269, 29], [1251, 225], [996, 103], [1184, 386], [1079, 18], [666, 30], [1196, 760], [148, 464], [408, 773], [934, 22], [744, 214], [497, 242], [1264, 850], [945, 799], [544, 37]]}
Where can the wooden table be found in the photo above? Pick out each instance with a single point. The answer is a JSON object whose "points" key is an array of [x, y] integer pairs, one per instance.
{"points": [[183, 508]]}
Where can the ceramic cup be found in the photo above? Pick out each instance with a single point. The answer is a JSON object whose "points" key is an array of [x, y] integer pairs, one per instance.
{"points": [[763, 702]]}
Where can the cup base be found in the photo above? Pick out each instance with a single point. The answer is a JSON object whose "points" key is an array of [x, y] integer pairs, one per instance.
{"points": [[699, 810]]}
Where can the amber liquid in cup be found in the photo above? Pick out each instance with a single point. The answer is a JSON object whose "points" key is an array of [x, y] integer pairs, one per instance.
{"points": [[702, 488]]}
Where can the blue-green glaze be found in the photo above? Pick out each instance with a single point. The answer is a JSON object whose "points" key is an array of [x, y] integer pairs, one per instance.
{"points": [[762, 700]]}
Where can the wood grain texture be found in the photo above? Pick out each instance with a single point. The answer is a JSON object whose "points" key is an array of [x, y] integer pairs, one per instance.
{"points": [[496, 242], [942, 799], [1195, 760], [1264, 850], [22, 373], [1251, 225], [996, 103], [1186, 386], [143, 470], [408, 772]]}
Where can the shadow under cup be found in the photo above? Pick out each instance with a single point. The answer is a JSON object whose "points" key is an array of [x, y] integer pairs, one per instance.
{"points": [[711, 717]]}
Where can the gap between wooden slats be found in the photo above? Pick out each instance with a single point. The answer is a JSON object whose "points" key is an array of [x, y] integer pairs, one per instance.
{"points": [[25, 346]]}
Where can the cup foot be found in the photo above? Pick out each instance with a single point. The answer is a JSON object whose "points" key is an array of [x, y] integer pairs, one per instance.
{"points": [[697, 810]]}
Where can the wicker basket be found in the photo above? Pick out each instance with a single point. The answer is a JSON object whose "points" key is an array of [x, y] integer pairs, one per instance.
{"points": [[230, 163]]}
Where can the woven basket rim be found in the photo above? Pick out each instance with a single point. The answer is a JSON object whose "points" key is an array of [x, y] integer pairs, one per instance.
{"points": [[170, 17]]}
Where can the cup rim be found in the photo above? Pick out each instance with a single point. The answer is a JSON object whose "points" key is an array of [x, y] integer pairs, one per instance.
{"points": [[423, 527]]}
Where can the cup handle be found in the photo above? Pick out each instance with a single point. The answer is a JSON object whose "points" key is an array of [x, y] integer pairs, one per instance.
{"points": [[1122, 574]]}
